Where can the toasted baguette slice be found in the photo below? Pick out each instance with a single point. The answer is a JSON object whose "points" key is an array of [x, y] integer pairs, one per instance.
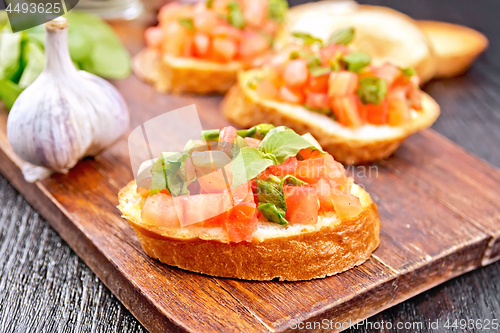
{"points": [[293, 252], [456, 47], [383, 33], [184, 75], [347, 145]]}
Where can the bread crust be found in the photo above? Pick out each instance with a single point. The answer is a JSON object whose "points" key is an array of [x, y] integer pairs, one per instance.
{"points": [[455, 46], [242, 106], [304, 255], [184, 75]]}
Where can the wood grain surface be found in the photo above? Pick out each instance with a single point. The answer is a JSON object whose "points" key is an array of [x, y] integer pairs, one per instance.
{"points": [[427, 178]]}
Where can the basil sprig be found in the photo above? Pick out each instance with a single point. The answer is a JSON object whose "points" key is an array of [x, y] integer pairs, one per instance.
{"points": [[356, 60], [307, 39], [271, 199], [247, 165], [235, 15], [169, 172], [187, 23], [257, 131], [277, 10], [371, 90], [282, 142], [342, 37]]}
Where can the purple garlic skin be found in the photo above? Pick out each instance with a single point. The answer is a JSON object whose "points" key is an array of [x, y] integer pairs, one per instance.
{"points": [[65, 114]]}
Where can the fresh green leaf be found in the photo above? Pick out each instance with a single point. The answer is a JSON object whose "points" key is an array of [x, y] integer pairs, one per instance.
{"points": [[334, 62], [235, 15], [247, 165], [169, 172], [313, 61], [210, 135], [247, 132], [271, 191], [263, 129], [158, 177], [259, 131], [277, 10], [371, 90], [342, 36], [10, 54], [283, 142], [9, 91], [319, 70], [210, 3], [108, 61], [35, 61], [37, 34], [78, 45], [187, 23], [306, 38], [240, 142], [408, 72], [272, 213], [356, 60]]}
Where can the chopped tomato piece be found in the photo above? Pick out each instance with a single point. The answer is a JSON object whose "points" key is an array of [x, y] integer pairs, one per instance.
{"points": [[255, 12], [346, 205], [375, 114], [225, 31], [154, 36], [308, 153], [335, 171], [143, 192], [318, 84], [345, 109], [317, 100], [302, 204], [330, 52], [205, 22], [169, 11], [266, 90], [399, 111], [270, 27], [323, 191], [310, 170], [416, 99], [388, 72], [192, 209], [241, 222], [286, 168], [201, 44], [159, 211], [177, 39], [224, 49], [251, 142], [296, 73], [226, 139], [253, 44], [289, 95], [342, 83]]}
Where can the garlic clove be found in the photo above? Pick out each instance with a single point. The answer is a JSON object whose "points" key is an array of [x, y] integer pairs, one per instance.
{"points": [[65, 114]]}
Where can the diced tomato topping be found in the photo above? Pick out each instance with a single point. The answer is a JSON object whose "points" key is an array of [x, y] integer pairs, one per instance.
{"points": [[143, 192], [225, 31], [335, 171], [266, 90], [154, 36], [330, 52], [308, 153], [375, 114], [318, 84], [416, 99], [205, 22], [224, 49], [310, 170], [387, 72], [226, 139], [255, 12], [342, 83], [331, 198], [289, 95], [323, 191], [302, 204], [253, 44], [169, 11], [178, 39], [201, 44], [251, 142], [241, 222], [296, 73], [159, 211], [345, 109], [270, 27], [398, 109], [317, 100], [286, 168]]}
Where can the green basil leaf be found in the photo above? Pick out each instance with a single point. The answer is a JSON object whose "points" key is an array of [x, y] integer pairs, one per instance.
{"points": [[271, 191], [256, 131], [342, 36], [210, 3], [283, 142], [247, 132], [235, 15], [10, 54], [272, 213], [247, 165], [306, 38], [169, 172], [277, 10], [408, 72], [187, 23], [356, 60], [371, 90], [292, 180], [35, 61], [319, 70], [9, 91], [158, 177]]}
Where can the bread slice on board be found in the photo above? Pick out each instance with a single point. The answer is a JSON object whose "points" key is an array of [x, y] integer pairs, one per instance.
{"points": [[184, 75], [385, 34], [455, 46], [291, 253], [367, 143]]}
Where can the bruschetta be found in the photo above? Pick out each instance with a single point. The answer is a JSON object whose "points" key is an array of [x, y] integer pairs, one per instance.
{"points": [[258, 204], [357, 111], [199, 48]]}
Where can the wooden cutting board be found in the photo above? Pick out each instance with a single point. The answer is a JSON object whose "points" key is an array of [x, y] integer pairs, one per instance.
{"points": [[438, 204]]}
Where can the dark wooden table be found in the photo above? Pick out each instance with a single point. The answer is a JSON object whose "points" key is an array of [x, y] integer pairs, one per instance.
{"points": [[45, 287]]}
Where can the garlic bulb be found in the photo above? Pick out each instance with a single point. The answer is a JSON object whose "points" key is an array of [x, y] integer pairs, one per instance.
{"points": [[65, 114]]}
